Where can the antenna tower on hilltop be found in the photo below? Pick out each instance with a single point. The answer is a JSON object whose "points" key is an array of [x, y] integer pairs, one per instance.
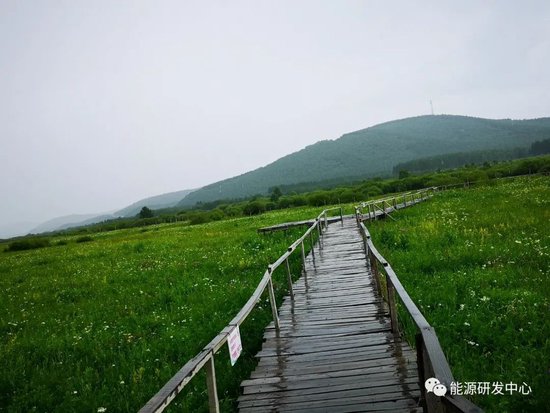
{"points": [[432, 106]]}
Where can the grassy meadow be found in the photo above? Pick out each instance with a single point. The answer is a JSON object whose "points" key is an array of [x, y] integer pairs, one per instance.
{"points": [[100, 321], [477, 263], [103, 321]]}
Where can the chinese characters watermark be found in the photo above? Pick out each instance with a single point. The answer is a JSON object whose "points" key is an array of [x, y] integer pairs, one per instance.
{"points": [[486, 388], [476, 387]]}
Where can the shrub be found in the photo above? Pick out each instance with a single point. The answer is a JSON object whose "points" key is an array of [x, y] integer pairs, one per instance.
{"points": [[28, 244], [255, 207], [85, 238]]}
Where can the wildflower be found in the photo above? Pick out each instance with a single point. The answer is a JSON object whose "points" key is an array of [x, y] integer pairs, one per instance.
{"points": [[101, 409], [467, 324]]}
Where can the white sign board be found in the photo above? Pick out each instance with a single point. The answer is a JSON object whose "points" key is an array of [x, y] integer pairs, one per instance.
{"points": [[234, 344]]}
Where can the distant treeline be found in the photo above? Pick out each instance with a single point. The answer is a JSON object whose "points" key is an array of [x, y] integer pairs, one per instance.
{"points": [[278, 199], [459, 159], [223, 209]]}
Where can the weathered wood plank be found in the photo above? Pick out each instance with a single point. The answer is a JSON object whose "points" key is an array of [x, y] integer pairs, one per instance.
{"points": [[372, 351], [330, 386], [298, 398], [334, 348]]}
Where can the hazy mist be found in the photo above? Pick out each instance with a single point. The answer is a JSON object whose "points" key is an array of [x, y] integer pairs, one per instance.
{"points": [[103, 103]]}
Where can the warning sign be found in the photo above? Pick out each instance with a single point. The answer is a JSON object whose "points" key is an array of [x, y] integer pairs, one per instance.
{"points": [[234, 344]]}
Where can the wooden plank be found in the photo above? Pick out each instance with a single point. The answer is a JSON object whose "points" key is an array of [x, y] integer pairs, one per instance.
{"points": [[329, 322], [345, 364], [320, 333], [356, 406], [283, 347], [326, 314], [338, 355], [332, 386], [373, 372], [299, 398], [324, 385]]}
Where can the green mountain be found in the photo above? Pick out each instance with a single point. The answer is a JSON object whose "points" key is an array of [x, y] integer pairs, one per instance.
{"points": [[376, 150]]}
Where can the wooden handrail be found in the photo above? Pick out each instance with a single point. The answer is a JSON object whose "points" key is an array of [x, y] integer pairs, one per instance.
{"points": [[390, 204], [430, 356], [205, 358]]}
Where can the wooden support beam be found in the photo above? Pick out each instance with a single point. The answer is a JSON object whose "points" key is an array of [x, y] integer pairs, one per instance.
{"points": [[273, 303], [213, 402], [289, 275]]}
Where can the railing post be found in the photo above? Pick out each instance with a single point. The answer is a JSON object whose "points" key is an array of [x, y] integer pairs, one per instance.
{"points": [[420, 365], [312, 244], [391, 303], [342, 215], [319, 232], [303, 255], [272, 301], [326, 221], [213, 402], [289, 275], [374, 269]]}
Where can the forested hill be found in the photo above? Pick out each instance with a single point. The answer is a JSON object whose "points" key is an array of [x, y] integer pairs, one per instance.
{"points": [[376, 150]]}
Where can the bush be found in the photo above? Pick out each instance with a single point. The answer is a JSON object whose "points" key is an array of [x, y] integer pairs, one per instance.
{"points": [[85, 238], [318, 198], [28, 244], [216, 215], [255, 207], [198, 218]]}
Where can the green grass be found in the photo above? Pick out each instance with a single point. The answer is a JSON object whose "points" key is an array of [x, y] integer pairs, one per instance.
{"points": [[85, 325], [477, 263], [106, 323]]}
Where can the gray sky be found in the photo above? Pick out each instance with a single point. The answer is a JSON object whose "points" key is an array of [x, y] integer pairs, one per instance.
{"points": [[106, 102]]}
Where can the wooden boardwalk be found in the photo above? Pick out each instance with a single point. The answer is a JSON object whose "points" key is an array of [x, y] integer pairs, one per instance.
{"points": [[335, 351]]}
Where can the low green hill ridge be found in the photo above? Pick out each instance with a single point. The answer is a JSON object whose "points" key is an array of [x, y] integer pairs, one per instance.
{"points": [[374, 151], [167, 200]]}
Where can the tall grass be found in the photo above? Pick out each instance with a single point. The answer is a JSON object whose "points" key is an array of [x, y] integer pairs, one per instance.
{"points": [[477, 263], [104, 324]]}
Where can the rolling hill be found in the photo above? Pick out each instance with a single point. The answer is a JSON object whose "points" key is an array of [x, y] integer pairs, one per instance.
{"points": [[376, 150], [70, 221], [167, 200]]}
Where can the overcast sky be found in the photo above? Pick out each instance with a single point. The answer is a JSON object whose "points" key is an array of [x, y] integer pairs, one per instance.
{"points": [[106, 102]]}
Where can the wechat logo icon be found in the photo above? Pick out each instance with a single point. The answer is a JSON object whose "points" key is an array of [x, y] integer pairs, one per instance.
{"points": [[435, 386]]}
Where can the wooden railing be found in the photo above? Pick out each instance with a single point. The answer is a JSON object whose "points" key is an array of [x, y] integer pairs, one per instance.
{"points": [[206, 357], [430, 357], [384, 206]]}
